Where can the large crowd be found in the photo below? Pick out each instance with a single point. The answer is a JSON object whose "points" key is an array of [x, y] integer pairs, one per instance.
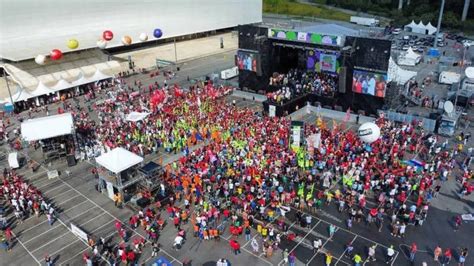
{"points": [[297, 82], [246, 176]]}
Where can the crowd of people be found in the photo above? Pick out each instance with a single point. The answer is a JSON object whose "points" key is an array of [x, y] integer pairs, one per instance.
{"points": [[247, 177], [298, 82]]}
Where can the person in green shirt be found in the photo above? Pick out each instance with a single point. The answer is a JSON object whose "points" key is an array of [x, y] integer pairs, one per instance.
{"points": [[357, 260]]}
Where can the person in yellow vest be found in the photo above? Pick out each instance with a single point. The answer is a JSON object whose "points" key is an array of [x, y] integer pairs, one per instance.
{"points": [[357, 260], [328, 259], [264, 232]]}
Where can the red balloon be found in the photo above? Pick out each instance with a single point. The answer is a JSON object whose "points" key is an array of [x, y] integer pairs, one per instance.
{"points": [[56, 54], [108, 35]]}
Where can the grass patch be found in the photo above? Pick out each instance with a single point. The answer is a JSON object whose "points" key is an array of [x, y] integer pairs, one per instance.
{"points": [[293, 8]]}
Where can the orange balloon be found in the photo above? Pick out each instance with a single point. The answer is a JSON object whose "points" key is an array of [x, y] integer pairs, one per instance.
{"points": [[126, 40]]}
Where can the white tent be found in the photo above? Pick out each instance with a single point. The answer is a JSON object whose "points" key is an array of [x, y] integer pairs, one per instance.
{"points": [[13, 160], [21, 95], [42, 89], [136, 116], [61, 85], [47, 127], [411, 25], [398, 74], [409, 58], [118, 160], [431, 29], [98, 75]]}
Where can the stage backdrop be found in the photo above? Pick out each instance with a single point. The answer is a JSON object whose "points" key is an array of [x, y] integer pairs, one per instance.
{"points": [[323, 61]]}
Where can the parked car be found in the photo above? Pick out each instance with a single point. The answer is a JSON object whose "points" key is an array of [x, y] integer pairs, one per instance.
{"points": [[396, 31], [421, 49], [451, 36], [467, 43], [405, 47]]}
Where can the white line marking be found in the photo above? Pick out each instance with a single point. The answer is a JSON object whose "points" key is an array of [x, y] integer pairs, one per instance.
{"points": [[302, 239], [45, 232], [39, 263], [52, 189], [47, 243]]}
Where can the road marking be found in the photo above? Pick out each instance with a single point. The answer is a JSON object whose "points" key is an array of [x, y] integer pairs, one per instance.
{"points": [[52, 228], [342, 255], [27, 250], [47, 243], [321, 248], [52, 189], [302, 239]]}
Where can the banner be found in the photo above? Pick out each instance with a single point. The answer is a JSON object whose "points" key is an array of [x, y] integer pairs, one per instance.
{"points": [[78, 232], [296, 135], [328, 62], [308, 37], [271, 110]]}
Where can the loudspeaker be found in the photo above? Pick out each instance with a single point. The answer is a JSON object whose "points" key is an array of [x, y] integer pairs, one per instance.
{"points": [[71, 160], [342, 79]]}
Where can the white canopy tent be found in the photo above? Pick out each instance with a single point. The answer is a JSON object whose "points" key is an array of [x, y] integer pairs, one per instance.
{"points": [[118, 160], [431, 29], [411, 25], [13, 160], [47, 127], [42, 89], [61, 85], [20, 95], [397, 74], [136, 116], [409, 58]]}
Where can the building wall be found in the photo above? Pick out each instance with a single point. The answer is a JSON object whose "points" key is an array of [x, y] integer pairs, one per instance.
{"points": [[31, 27]]}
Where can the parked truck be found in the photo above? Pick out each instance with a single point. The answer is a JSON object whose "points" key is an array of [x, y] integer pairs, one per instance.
{"points": [[372, 22], [447, 77]]}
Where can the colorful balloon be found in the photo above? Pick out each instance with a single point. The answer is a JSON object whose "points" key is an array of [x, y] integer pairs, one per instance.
{"points": [[40, 59], [126, 40], [56, 54], [369, 132], [108, 35], [102, 44], [143, 37], [157, 33], [72, 44]]}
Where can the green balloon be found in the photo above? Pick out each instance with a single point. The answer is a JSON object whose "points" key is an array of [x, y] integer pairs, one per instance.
{"points": [[317, 67], [316, 38], [291, 35]]}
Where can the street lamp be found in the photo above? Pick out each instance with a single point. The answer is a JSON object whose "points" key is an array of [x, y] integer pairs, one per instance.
{"points": [[438, 30]]}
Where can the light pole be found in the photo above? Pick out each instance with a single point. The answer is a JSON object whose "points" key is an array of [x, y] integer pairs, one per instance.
{"points": [[438, 30], [175, 51]]}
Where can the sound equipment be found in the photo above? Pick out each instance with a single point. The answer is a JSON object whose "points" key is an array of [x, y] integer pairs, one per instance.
{"points": [[71, 160], [143, 202], [342, 79]]}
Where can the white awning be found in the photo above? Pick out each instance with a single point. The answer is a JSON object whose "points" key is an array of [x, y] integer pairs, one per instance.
{"points": [[136, 116], [21, 95], [42, 90], [61, 85], [431, 29], [47, 127], [118, 160]]}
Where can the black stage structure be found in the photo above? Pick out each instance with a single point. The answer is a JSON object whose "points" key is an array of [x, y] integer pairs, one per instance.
{"points": [[361, 65]]}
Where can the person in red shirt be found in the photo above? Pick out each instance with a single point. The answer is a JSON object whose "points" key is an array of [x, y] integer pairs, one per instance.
{"points": [[413, 250], [235, 246], [131, 257]]}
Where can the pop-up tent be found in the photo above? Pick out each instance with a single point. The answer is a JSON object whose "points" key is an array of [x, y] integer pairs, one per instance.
{"points": [[47, 127], [431, 29], [397, 74], [136, 116], [409, 58], [118, 160], [416, 28]]}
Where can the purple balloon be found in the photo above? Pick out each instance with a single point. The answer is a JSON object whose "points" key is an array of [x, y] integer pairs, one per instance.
{"points": [[310, 62], [157, 33]]}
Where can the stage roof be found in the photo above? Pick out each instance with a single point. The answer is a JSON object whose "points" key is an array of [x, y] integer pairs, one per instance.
{"points": [[31, 27], [333, 29], [118, 160], [47, 127]]}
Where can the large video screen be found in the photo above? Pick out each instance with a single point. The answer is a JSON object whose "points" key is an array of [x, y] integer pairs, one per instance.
{"points": [[323, 61], [371, 83], [247, 60]]}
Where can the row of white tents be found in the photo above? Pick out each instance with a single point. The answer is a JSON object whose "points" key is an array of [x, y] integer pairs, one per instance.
{"points": [[62, 84], [421, 28]]}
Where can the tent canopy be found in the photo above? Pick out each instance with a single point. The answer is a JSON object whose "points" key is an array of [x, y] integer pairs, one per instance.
{"points": [[21, 95], [47, 127], [411, 54], [42, 90], [431, 29], [118, 160], [398, 74]]}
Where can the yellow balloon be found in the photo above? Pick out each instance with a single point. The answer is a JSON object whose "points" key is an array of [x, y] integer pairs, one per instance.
{"points": [[72, 44]]}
